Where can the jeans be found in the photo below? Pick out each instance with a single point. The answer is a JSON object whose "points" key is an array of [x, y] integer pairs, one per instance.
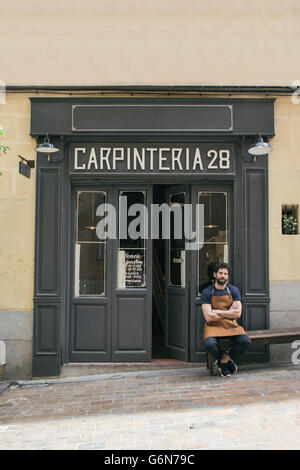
{"points": [[240, 344]]}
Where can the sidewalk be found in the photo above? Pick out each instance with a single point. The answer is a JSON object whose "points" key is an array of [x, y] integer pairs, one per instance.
{"points": [[178, 409]]}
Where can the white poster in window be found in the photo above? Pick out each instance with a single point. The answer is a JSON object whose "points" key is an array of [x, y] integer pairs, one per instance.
{"points": [[121, 269]]}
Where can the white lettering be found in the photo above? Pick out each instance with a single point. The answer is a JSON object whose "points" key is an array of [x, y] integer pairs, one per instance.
{"points": [[187, 158], [197, 160], [76, 166], [115, 157], [128, 159], [151, 151], [161, 158], [224, 159], [92, 159], [140, 159], [176, 158], [104, 157], [149, 159], [214, 155]]}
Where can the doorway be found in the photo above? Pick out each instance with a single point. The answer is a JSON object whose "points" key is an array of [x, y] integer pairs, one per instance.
{"points": [[179, 272]]}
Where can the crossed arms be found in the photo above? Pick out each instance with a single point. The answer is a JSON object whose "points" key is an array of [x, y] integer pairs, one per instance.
{"points": [[235, 311]]}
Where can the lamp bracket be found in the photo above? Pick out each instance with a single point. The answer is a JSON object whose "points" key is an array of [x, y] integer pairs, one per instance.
{"points": [[244, 145], [29, 163]]}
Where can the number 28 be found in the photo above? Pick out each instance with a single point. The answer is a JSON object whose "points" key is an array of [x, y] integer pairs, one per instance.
{"points": [[220, 159]]}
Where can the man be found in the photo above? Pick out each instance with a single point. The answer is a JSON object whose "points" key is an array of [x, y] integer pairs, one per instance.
{"points": [[221, 306]]}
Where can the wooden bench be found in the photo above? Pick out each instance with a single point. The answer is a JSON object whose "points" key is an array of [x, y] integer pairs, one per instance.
{"points": [[2, 369], [279, 336]]}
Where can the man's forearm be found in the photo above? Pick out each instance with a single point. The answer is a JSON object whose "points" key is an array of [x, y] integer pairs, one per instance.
{"points": [[231, 313]]}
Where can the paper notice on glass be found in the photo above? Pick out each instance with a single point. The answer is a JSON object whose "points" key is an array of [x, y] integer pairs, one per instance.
{"points": [[182, 268], [77, 268], [225, 253], [121, 269]]}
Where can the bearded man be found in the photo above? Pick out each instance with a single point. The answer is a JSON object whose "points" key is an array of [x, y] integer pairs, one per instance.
{"points": [[221, 307]]}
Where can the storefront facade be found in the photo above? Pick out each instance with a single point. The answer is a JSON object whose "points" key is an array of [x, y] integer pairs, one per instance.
{"points": [[96, 301]]}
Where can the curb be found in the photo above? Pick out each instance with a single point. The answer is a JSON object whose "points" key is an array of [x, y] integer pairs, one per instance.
{"points": [[91, 378], [123, 375]]}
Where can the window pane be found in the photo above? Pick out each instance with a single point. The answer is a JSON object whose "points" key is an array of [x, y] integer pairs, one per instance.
{"points": [[132, 232], [90, 253], [87, 203], [90, 268], [216, 247], [177, 241], [215, 216]]}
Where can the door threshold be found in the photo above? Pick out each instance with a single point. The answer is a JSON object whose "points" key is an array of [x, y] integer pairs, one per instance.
{"points": [[92, 368]]}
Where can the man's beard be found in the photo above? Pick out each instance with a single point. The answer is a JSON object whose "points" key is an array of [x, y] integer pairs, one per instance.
{"points": [[222, 282]]}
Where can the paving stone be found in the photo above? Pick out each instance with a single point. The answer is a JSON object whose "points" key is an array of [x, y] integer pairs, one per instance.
{"points": [[255, 409]]}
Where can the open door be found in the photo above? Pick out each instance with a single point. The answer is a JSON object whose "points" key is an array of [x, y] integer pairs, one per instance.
{"points": [[177, 296]]}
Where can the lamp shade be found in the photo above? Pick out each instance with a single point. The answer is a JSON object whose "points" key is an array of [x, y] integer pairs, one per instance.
{"points": [[260, 147], [47, 147]]}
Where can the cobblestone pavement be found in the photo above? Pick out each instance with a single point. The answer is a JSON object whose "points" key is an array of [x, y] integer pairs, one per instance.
{"points": [[185, 409]]}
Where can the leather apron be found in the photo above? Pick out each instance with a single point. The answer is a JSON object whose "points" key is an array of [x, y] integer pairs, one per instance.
{"points": [[224, 326]]}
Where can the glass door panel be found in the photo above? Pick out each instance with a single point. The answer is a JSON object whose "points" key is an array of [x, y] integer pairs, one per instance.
{"points": [[177, 241], [90, 252], [132, 233], [216, 245]]}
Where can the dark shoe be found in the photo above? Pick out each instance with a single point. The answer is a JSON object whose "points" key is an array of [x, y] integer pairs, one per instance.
{"points": [[222, 366], [232, 367]]}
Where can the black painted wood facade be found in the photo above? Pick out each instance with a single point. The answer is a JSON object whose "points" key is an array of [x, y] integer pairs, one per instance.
{"points": [[58, 317]]}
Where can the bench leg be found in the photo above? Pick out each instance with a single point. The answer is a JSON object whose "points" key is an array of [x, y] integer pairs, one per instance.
{"points": [[209, 363]]}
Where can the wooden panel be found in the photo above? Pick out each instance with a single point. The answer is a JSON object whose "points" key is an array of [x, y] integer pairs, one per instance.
{"points": [[256, 254], [176, 320], [90, 328], [256, 317], [131, 324], [48, 226], [47, 322]]}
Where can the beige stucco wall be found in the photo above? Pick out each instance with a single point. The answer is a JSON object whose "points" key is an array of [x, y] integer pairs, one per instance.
{"points": [[17, 214], [17, 207], [284, 188], [200, 42]]}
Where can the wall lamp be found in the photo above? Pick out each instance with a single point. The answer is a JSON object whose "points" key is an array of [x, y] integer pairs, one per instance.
{"points": [[258, 148], [47, 148]]}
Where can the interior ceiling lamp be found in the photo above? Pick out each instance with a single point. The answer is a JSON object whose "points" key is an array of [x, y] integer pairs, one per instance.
{"points": [[47, 147], [260, 147], [93, 225], [210, 225]]}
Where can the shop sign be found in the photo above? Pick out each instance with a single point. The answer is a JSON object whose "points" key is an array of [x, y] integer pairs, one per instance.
{"points": [[151, 159]]}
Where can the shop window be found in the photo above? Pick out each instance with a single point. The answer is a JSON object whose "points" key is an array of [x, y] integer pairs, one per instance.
{"points": [[289, 219], [90, 252]]}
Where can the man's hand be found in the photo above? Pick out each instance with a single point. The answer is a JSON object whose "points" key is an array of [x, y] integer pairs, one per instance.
{"points": [[209, 314]]}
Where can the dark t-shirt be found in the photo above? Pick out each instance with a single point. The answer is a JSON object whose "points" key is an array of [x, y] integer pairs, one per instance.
{"points": [[206, 294]]}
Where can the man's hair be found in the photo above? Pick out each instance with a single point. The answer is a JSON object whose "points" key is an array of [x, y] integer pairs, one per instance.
{"points": [[221, 266], [211, 270]]}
